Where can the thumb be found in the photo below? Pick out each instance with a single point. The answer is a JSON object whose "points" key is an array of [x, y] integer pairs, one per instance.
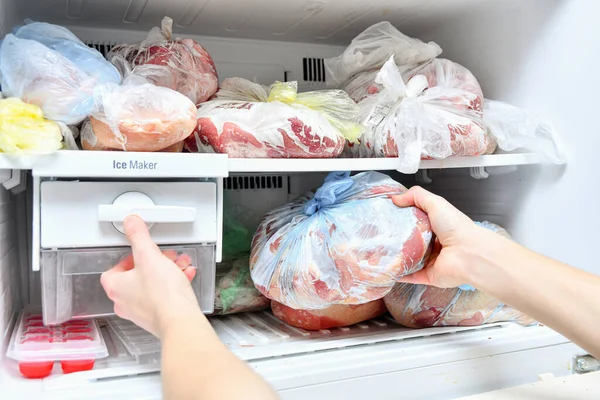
{"points": [[420, 277], [139, 238]]}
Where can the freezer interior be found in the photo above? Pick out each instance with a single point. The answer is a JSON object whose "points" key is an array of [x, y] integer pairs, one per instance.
{"points": [[537, 55]]}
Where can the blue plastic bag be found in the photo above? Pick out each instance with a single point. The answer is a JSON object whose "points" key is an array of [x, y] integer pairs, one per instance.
{"points": [[63, 41], [60, 75], [345, 244]]}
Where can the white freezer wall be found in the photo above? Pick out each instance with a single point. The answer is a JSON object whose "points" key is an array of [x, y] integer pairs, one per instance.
{"points": [[10, 301], [542, 55]]}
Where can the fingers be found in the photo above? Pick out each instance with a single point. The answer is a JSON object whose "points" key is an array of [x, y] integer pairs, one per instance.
{"points": [[183, 261], [108, 279], [139, 238], [420, 277], [127, 263], [418, 197], [190, 273]]}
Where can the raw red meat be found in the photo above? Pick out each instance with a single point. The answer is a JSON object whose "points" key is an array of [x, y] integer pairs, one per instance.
{"points": [[179, 64], [420, 306], [436, 114], [349, 252], [331, 317], [246, 121]]}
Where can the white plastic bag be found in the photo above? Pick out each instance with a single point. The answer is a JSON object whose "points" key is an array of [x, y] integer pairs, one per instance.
{"points": [[46, 65], [436, 114], [247, 120], [373, 47], [515, 128], [179, 64], [140, 116]]}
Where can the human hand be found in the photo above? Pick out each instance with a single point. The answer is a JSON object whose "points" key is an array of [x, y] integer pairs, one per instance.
{"points": [[156, 291], [459, 246]]}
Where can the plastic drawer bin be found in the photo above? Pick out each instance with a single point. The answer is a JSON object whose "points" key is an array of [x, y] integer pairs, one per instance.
{"points": [[71, 286]]}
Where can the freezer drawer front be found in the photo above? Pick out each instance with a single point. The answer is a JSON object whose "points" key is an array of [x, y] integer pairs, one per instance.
{"points": [[85, 214]]}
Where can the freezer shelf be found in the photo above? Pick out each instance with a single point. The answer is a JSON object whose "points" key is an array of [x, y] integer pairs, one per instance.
{"points": [[102, 164], [259, 335]]}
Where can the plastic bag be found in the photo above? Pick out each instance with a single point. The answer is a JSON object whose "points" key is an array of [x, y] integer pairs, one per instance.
{"points": [[249, 121], [373, 47], [331, 317], [345, 244], [235, 291], [61, 82], [23, 129], [179, 64], [139, 116], [515, 128], [420, 306], [63, 41], [89, 141], [237, 239], [436, 114]]}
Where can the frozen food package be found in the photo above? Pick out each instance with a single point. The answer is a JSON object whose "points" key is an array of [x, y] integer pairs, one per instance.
{"points": [[140, 116], [61, 81], [247, 120], [345, 244], [373, 47], [235, 291], [334, 316], [236, 237], [420, 306], [514, 128], [435, 114], [182, 65], [63, 41], [23, 129], [90, 142]]}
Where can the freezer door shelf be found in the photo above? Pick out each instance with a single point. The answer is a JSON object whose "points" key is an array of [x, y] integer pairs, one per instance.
{"points": [[374, 359]]}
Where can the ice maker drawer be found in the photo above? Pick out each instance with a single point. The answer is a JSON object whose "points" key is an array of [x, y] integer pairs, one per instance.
{"points": [[71, 280], [82, 214]]}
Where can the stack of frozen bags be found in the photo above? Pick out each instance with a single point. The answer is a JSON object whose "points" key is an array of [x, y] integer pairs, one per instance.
{"points": [[416, 106], [145, 100], [334, 258]]}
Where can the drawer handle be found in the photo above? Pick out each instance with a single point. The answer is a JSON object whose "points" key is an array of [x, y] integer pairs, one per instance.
{"points": [[139, 204], [172, 214]]}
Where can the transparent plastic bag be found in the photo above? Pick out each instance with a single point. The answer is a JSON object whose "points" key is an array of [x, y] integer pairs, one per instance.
{"points": [[182, 65], [235, 291], [436, 114], [373, 47], [61, 82], [515, 128], [139, 116], [247, 120], [422, 306], [63, 41], [345, 244], [23, 129], [335, 316]]}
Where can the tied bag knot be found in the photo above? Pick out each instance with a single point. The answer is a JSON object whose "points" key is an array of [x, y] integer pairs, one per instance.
{"points": [[336, 184]]}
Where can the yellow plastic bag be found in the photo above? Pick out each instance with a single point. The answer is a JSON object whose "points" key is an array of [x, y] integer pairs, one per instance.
{"points": [[23, 129], [339, 109]]}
